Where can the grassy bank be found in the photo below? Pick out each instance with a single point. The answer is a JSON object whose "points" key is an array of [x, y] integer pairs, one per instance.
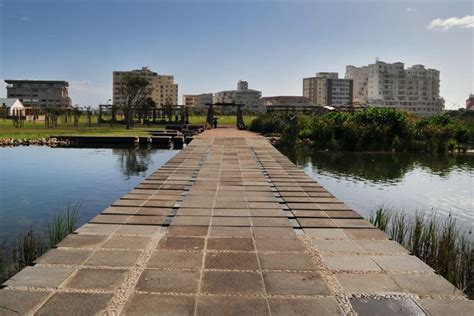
{"points": [[442, 244], [373, 129], [37, 130]]}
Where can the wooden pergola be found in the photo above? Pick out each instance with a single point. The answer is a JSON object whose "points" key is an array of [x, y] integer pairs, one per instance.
{"points": [[239, 114]]}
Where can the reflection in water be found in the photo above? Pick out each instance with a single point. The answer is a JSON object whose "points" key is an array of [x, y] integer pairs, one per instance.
{"points": [[379, 167], [443, 184], [133, 161], [36, 182]]}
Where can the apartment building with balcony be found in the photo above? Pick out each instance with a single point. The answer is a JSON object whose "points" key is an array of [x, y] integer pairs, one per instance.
{"points": [[415, 89], [327, 89], [197, 100], [252, 99], [39, 93], [161, 88]]}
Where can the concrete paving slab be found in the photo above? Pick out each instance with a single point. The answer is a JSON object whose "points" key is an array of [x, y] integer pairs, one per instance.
{"points": [[231, 305], [350, 263], [126, 210], [230, 221], [270, 222], [273, 232], [231, 261], [126, 242], [194, 212], [15, 302], [137, 230], [425, 284], [438, 307], [367, 284], [64, 256], [279, 245], [386, 307], [401, 263], [181, 243], [140, 304], [176, 260], [381, 246], [146, 220], [232, 244], [191, 221], [326, 306], [316, 222], [223, 231], [326, 233], [41, 276], [97, 229], [156, 211], [168, 281], [220, 282], [82, 241], [295, 283], [75, 304], [366, 234], [98, 279], [326, 245], [183, 231], [113, 258], [286, 261]]}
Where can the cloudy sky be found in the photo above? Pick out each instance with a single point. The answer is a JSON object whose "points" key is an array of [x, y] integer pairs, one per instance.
{"points": [[210, 45]]}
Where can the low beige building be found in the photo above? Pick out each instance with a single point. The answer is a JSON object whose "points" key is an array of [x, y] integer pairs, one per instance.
{"points": [[162, 88], [252, 99], [286, 102], [197, 100]]}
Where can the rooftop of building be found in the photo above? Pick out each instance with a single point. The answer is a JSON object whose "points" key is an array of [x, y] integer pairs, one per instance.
{"points": [[12, 81], [287, 97]]}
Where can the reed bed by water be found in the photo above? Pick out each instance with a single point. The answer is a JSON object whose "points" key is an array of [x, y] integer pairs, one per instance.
{"points": [[32, 244], [442, 244]]}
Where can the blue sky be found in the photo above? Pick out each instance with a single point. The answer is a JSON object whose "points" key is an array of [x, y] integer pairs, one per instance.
{"points": [[209, 45]]}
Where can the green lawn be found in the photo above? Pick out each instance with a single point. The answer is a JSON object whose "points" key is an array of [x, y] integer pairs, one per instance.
{"points": [[37, 130]]}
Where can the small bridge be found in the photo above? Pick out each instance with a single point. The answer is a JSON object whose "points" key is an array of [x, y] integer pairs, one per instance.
{"points": [[229, 226]]}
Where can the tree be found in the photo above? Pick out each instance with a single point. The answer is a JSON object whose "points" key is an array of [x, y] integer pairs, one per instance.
{"points": [[89, 115], [134, 91], [76, 112], [146, 109], [168, 110]]}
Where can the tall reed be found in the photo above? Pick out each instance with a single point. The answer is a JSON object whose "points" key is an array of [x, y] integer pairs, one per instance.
{"points": [[443, 245], [31, 244], [63, 224]]}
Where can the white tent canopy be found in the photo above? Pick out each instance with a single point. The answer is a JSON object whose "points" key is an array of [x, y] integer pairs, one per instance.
{"points": [[14, 106]]}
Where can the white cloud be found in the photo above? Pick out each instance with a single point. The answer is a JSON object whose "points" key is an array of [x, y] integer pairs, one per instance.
{"points": [[445, 24], [410, 9]]}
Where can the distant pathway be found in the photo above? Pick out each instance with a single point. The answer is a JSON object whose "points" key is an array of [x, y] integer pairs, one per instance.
{"points": [[229, 226]]}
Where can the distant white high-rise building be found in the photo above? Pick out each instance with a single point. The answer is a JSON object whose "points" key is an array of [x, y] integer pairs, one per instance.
{"points": [[414, 89]]}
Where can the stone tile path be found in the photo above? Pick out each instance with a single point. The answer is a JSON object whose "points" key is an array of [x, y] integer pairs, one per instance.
{"points": [[229, 226]]}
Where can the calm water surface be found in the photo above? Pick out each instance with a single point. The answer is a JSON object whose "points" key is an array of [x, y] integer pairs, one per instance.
{"points": [[402, 181], [37, 182]]}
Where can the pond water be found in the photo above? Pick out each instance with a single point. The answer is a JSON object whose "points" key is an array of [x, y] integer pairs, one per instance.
{"points": [[402, 181], [38, 182]]}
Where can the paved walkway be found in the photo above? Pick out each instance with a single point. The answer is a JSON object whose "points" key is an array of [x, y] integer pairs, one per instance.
{"points": [[229, 226]]}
